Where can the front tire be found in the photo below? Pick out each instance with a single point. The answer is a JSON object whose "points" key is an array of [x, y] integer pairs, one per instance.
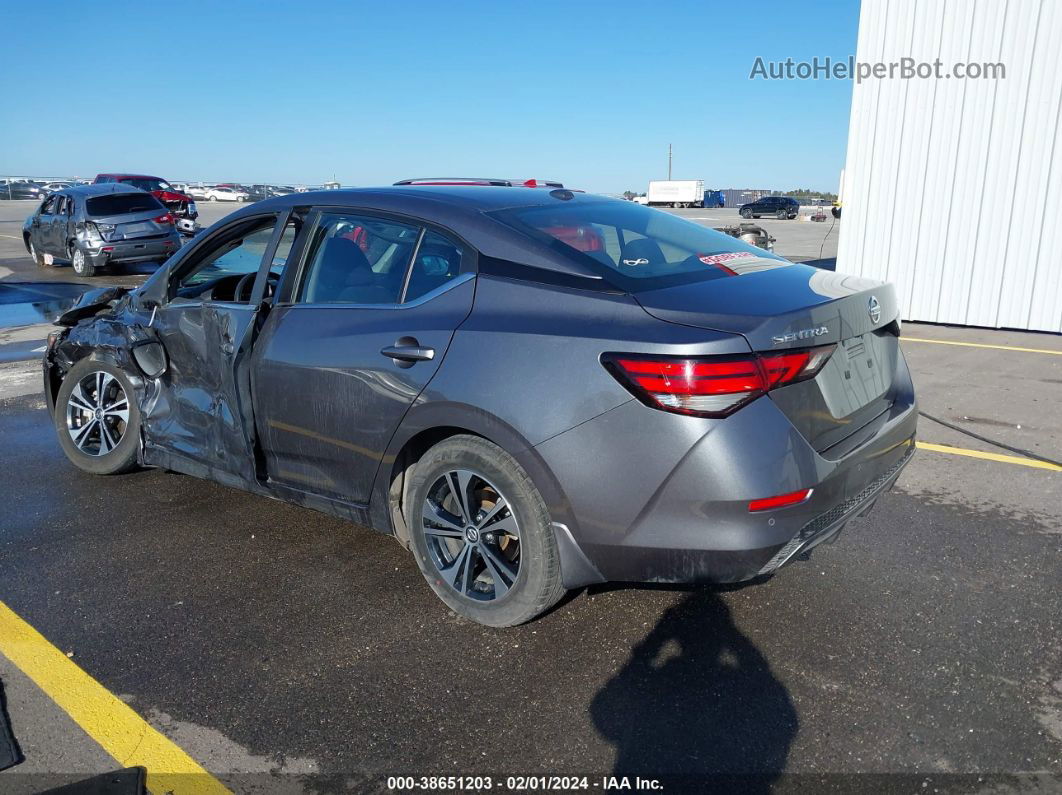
{"points": [[746, 213], [481, 533], [38, 258], [97, 419], [781, 215], [213, 198]]}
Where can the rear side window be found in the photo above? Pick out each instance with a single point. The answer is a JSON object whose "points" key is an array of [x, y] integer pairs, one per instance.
{"points": [[357, 259], [636, 247], [120, 203], [438, 261]]}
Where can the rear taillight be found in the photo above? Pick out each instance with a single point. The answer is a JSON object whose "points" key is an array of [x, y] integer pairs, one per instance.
{"points": [[781, 501], [94, 232], [712, 386], [165, 218]]}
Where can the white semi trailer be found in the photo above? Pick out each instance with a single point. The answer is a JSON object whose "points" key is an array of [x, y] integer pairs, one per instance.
{"points": [[676, 193]]}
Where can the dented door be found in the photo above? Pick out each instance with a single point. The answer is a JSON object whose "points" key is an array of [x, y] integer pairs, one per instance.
{"points": [[202, 414]]}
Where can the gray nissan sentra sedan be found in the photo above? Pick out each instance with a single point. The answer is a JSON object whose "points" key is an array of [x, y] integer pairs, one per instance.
{"points": [[532, 389]]}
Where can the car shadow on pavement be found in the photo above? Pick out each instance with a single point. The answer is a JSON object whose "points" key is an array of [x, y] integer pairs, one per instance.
{"points": [[697, 704]]}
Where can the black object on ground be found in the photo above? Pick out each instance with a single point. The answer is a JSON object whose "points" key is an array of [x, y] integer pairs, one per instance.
{"points": [[127, 781], [10, 754]]}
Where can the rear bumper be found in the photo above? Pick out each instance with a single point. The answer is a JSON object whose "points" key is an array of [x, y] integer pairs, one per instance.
{"points": [[825, 527], [666, 499], [159, 248]]}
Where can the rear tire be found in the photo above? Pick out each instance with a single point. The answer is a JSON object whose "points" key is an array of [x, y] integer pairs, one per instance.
{"points": [[500, 566], [109, 450], [79, 262], [781, 215]]}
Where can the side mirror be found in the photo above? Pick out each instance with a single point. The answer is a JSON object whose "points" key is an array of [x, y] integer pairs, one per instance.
{"points": [[150, 357], [154, 292]]}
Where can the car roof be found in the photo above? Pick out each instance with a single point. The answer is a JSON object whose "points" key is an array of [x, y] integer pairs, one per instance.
{"points": [[119, 175], [471, 198], [458, 208], [99, 190]]}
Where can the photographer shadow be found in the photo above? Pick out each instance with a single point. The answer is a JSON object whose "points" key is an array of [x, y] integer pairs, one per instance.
{"points": [[697, 703]]}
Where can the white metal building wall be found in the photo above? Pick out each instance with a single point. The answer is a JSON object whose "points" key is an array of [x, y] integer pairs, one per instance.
{"points": [[953, 188]]}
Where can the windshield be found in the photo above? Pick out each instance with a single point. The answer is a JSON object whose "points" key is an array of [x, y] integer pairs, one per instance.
{"points": [[643, 249], [147, 183], [120, 203]]}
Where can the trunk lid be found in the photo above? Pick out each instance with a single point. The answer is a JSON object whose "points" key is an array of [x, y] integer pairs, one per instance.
{"points": [[798, 306], [131, 226]]}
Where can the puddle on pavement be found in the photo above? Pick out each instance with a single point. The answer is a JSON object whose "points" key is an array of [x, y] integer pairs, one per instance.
{"points": [[28, 303]]}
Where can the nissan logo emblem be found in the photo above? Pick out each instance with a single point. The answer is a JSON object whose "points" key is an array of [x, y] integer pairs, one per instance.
{"points": [[874, 309]]}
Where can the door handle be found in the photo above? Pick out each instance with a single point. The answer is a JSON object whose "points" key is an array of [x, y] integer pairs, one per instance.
{"points": [[408, 352]]}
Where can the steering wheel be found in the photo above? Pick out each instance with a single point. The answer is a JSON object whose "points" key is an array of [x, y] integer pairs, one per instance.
{"points": [[246, 282]]}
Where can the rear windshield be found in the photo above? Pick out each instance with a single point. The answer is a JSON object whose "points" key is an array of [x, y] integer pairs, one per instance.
{"points": [[120, 203], [146, 183], [638, 247]]}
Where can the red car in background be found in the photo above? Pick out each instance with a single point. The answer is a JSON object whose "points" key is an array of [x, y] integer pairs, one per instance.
{"points": [[179, 204]]}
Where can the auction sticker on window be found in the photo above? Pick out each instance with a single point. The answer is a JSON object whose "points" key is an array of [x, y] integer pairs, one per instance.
{"points": [[738, 262]]}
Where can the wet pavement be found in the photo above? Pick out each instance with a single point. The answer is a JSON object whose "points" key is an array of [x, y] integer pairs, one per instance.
{"points": [[927, 640]]}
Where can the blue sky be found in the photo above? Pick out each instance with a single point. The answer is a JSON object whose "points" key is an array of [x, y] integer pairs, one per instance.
{"points": [[590, 93]]}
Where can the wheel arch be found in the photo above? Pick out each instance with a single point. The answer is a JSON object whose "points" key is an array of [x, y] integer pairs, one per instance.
{"points": [[427, 426], [99, 339]]}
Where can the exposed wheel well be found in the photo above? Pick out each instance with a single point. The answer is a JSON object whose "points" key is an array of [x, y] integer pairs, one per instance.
{"points": [[402, 472]]}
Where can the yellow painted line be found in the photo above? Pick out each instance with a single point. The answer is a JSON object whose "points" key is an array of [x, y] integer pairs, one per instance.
{"points": [[1003, 459], [104, 717], [982, 345]]}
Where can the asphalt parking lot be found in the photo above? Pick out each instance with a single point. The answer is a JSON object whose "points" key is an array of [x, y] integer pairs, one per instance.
{"points": [[281, 649]]}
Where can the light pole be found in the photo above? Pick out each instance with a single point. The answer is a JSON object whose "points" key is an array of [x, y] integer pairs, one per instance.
{"points": [[669, 161]]}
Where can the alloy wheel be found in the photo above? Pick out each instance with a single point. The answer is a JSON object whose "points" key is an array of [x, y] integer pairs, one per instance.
{"points": [[97, 413], [77, 260], [472, 535]]}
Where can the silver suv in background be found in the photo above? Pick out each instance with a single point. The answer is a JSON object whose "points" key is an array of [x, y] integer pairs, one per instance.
{"points": [[96, 225]]}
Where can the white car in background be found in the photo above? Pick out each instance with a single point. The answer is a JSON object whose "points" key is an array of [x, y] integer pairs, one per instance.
{"points": [[51, 187], [197, 190], [225, 195]]}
